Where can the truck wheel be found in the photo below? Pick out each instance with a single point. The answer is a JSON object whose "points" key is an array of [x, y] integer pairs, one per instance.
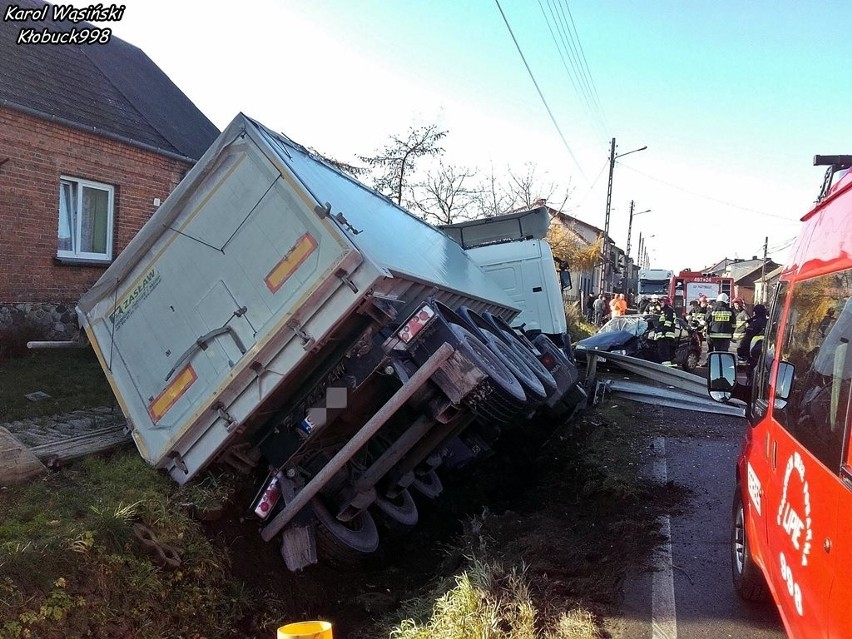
{"points": [[428, 485], [524, 350], [399, 514], [748, 578], [515, 363], [691, 362], [500, 326], [485, 359], [345, 543], [532, 362]]}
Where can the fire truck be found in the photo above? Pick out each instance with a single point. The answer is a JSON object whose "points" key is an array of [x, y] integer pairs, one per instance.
{"points": [[690, 285]]}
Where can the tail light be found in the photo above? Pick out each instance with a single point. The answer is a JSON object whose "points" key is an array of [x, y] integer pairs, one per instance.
{"points": [[269, 498], [416, 323], [548, 360]]}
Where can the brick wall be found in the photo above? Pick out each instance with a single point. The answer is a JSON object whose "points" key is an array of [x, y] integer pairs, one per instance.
{"points": [[34, 153]]}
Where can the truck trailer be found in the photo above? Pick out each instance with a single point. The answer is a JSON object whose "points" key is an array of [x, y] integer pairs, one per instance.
{"points": [[277, 315]]}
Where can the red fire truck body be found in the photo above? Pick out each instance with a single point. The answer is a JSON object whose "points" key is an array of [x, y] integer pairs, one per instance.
{"points": [[687, 286]]}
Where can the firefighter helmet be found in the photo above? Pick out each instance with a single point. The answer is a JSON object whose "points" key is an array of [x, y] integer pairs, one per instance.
{"points": [[722, 297]]}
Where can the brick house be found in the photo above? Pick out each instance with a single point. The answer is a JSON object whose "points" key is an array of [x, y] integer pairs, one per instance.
{"points": [[92, 139]]}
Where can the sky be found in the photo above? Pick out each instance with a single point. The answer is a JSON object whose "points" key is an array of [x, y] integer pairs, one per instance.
{"points": [[732, 99]]}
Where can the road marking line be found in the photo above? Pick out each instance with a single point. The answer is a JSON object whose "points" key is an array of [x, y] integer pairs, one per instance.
{"points": [[663, 614]]}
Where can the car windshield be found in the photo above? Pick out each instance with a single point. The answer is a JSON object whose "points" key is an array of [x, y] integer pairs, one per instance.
{"points": [[634, 324]]}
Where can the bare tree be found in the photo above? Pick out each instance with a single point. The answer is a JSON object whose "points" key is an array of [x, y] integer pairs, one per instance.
{"points": [[445, 197], [526, 189], [345, 167], [394, 164], [492, 199]]}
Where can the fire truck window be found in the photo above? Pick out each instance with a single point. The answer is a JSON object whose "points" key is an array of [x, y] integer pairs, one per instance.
{"points": [[764, 366], [816, 342]]}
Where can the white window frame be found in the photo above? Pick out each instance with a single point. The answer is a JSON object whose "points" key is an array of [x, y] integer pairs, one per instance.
{"points": [[75, 254]]}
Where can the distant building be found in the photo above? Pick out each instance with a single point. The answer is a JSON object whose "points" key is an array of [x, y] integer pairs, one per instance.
{"points": [[747, 275]]}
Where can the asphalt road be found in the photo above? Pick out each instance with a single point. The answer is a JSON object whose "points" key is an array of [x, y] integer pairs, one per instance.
{"points": [[688, 594]]}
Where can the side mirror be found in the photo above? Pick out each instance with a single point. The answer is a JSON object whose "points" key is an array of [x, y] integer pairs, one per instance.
{"points": [[565, 279], [721, 375], [784, 382]]}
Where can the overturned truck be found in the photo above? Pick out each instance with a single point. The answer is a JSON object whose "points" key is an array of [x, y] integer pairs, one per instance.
{"points": [[277, 315]]}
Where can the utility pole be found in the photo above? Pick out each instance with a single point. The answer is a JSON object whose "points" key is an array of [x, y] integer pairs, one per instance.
{"points": [[763, 271], [605, 248], [639, 251], [629, 226]]}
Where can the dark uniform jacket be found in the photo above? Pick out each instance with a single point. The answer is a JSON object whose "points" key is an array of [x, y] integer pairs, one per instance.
{"points": [[665, 324], [720, 322]]}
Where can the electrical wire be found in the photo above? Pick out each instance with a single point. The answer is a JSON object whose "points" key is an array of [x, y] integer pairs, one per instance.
{"points": [[540, 94], [579, 56], [707, 197], [585, 65], [582, 93], [571, 76], [591, 188]]}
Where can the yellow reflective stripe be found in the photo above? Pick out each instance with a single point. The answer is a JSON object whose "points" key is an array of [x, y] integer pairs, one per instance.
{"points": [[172, 393], [279, 274]]}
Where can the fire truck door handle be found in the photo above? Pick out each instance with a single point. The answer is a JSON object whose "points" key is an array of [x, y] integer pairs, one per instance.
{"points": [[826, 545], [774, 455]]}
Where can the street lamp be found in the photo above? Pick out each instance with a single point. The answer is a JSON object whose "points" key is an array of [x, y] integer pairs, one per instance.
{"points": [[630, 225], [612, 158]]}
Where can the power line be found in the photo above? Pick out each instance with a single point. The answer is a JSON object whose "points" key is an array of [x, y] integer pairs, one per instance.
{"points": [[591, 188], [573, 42], [540, 94], [594, 89], [707, 197], [576, 76], [577, 91]]}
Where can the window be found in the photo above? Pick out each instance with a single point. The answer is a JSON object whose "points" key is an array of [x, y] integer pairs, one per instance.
{"points": [[85, 220], [816, 342], [764, 364]]}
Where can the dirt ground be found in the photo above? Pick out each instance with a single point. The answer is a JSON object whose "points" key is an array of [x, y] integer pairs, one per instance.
{"points": [[566, 501]]}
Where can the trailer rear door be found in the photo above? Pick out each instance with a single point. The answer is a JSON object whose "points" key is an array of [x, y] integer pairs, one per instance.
{"points": [[226, 265]]}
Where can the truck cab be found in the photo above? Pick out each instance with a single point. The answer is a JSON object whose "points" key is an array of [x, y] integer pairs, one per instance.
{"points": [[512, 251], [791, 534]]}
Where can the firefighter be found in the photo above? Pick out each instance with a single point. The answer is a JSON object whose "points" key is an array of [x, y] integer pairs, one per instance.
{"points": [[740, 319], [665, 330], [751, 346], [720, 325], [654, 307], [698, 314]]}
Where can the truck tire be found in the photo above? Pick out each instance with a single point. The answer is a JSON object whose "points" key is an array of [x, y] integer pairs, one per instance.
{"points": [[503, 327], [428, 485], [748, 578], [523, 349], [516, 363], [345, 544], [508, 359], [399, 514], [509, 397], [530, 359]]}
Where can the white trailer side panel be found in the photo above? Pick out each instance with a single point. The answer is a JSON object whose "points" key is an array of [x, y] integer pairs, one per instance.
{"points": [[224, 292]]}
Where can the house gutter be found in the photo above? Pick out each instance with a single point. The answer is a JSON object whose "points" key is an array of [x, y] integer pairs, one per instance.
{"points": [[91, 129]]}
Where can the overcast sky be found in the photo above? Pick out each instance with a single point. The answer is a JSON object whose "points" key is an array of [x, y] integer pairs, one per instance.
{"points": [[732, 98]]}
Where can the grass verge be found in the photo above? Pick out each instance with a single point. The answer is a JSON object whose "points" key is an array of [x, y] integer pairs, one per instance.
{"points": [[70, 565], [73, 379]]}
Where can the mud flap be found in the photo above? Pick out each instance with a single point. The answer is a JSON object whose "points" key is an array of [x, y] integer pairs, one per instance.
{"points": [[299, 547]]}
